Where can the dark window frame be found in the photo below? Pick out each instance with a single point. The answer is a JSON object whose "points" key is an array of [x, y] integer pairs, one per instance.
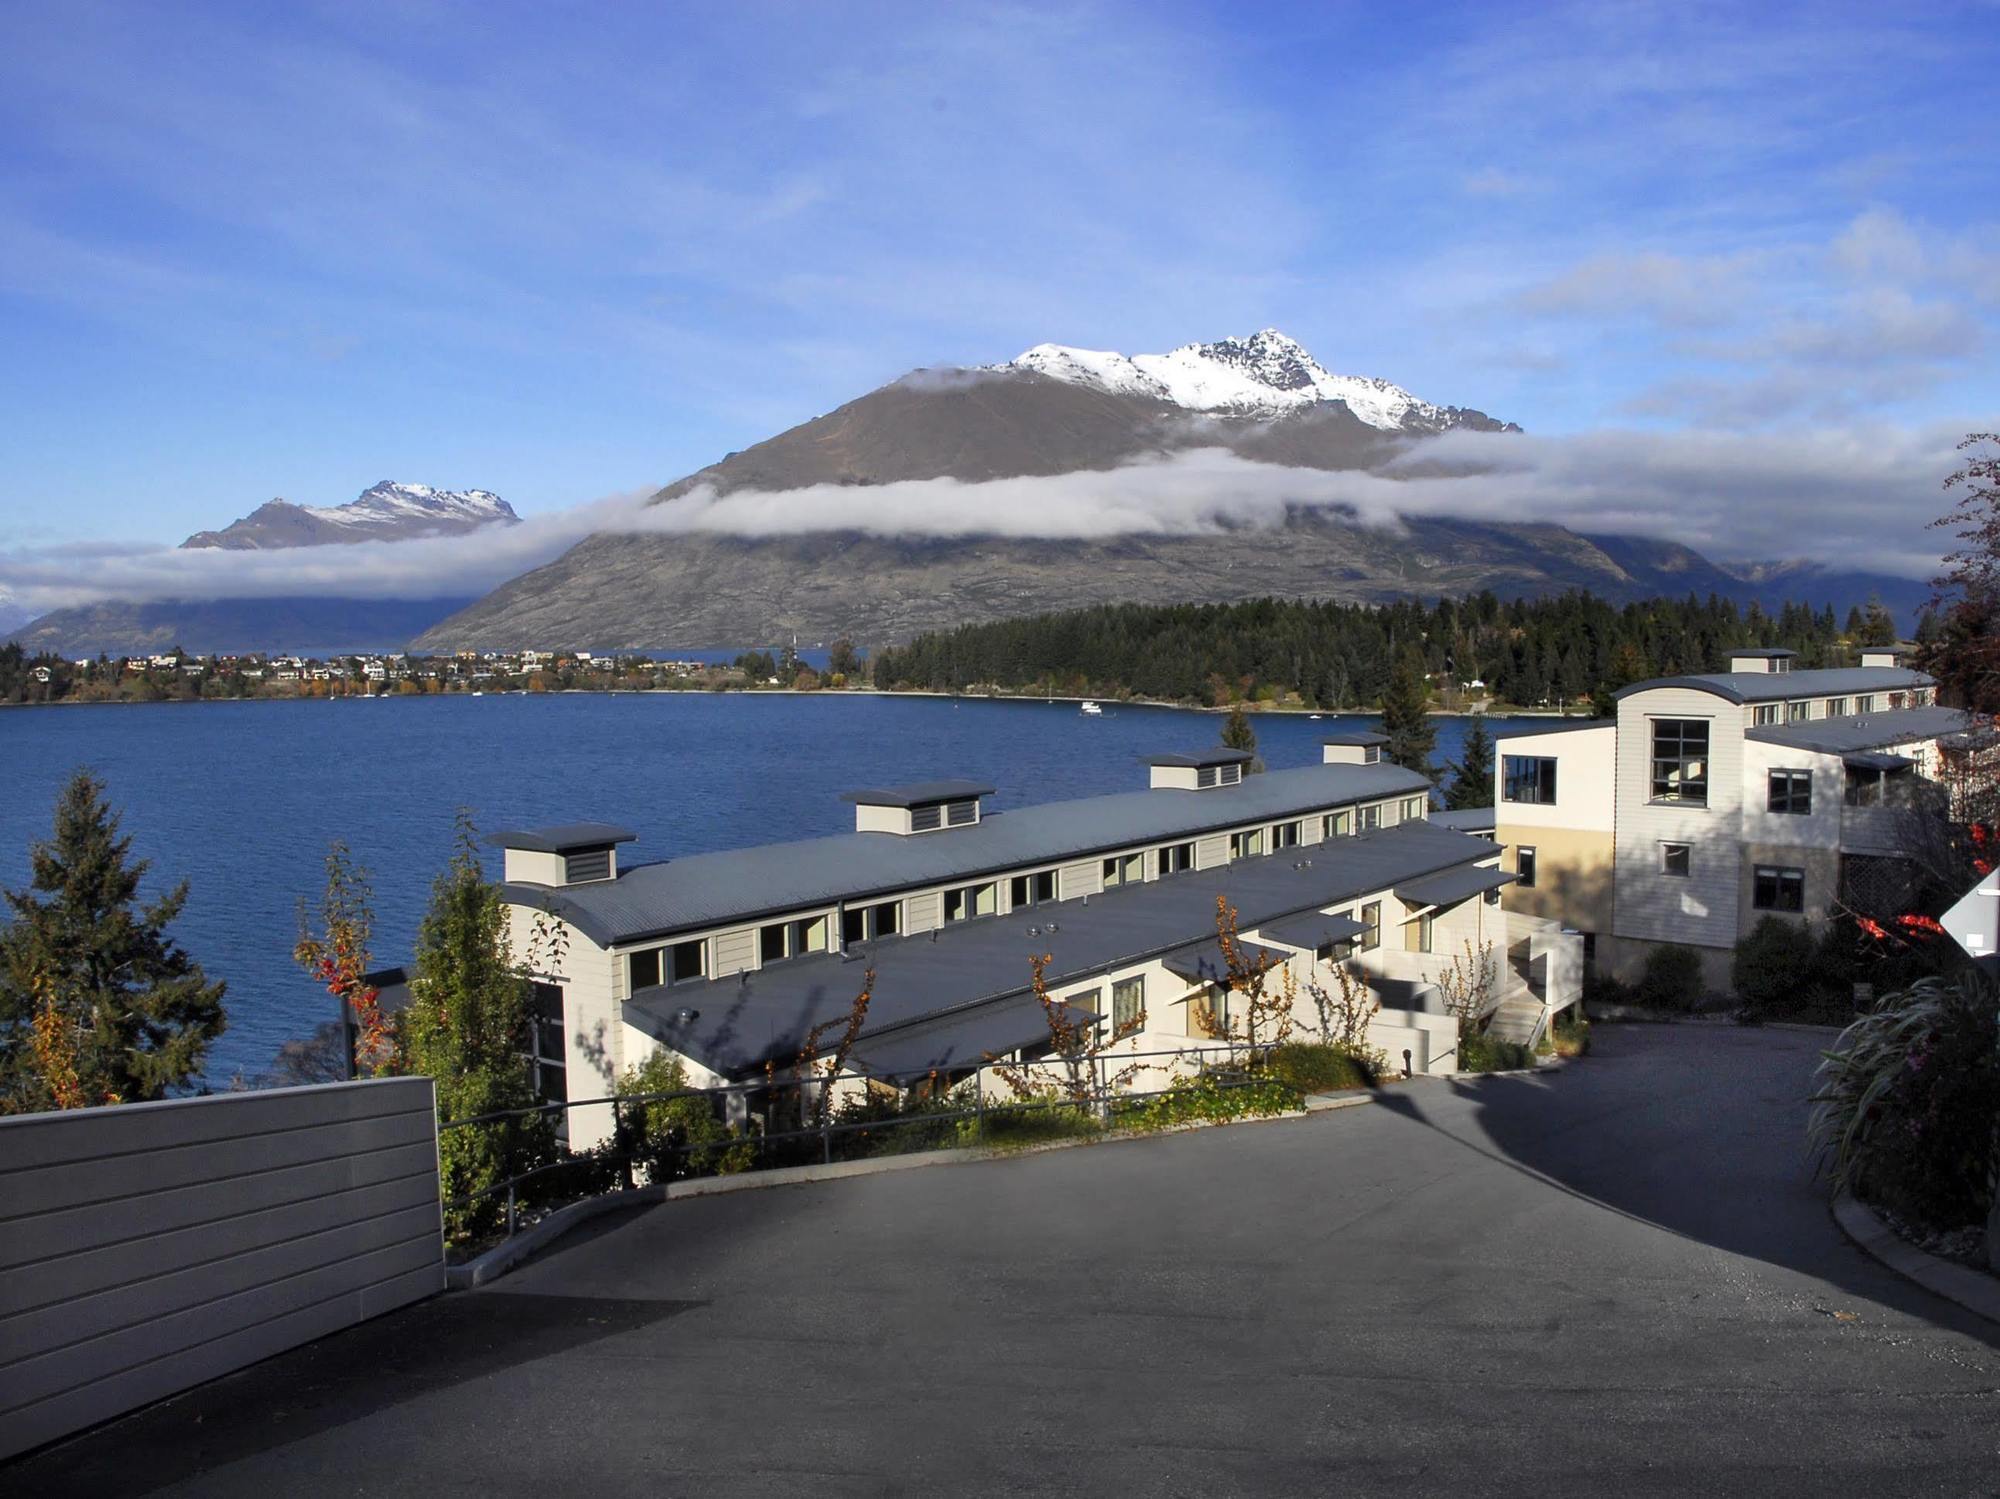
{"points": [[1678, 744], [1778, 887], [1683, 853], [1524, 866], [1528, 779], [1790, 793]]}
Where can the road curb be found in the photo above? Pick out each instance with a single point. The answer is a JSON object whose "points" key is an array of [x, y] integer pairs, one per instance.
{"points": [[488, 1267], [1972, 1289]]}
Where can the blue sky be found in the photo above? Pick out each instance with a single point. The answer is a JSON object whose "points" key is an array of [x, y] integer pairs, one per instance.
{"points": [[565, 251]]}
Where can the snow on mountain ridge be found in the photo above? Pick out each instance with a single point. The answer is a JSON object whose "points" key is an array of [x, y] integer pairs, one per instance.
{"points": [[1268, 373], [389, 500]]}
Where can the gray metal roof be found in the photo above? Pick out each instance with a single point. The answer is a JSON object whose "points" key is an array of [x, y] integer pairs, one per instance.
{"points": [[1311, 932], [1770, 686], [1193, 759], [922, 979], [960, 1041], [713, 889], [1766, 652], [1875, 760], [1557, 726], [916, 794], [1356, 736], [1203, 963], [1451, 887], [1867, 731], [562, 837], [1468, 819]]}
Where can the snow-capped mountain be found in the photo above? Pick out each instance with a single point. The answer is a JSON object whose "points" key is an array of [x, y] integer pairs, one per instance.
{"points": [[1267, 374], [384, 512]]}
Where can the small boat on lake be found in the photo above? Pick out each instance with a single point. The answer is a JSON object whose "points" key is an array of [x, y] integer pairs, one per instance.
{"points": [[1091, 708]]}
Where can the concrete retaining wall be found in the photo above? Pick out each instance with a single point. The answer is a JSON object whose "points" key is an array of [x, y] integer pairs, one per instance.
{"points": [[147, 1248]]}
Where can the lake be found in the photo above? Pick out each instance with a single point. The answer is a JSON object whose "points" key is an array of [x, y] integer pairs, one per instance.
{"points": [[242, 799]]}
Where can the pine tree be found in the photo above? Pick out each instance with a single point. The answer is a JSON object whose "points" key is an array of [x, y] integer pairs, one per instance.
{"points": [[1406, 718], [1237, 733], [1472, 786], [467, 1028], [97, 1004]]}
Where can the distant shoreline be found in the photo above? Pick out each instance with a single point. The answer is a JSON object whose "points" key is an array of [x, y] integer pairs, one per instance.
{"points": [[1266, 709]]}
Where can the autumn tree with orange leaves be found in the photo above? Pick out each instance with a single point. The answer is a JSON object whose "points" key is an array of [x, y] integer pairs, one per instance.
{"points": [[336, 956]]}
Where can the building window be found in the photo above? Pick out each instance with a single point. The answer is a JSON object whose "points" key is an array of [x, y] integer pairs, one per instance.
{"points": [[864, 923], [1368, 819], [1524, 866], [1778, 889], [1791, 792], [1895, 701], [548, 1054], [1865, 703], [1528, 778], [1412, 809], [1680, 760], [1031, 889], [1764, 714], [1128, 1004], [1836, 707], [1126, 869], [1371, 927], [643, 969], [791, 939], [1676, 859], [1176, 858], [969, 901], [1797, 712], [1337, 825], [685, 961], [1285, 835], [1246, 845]]}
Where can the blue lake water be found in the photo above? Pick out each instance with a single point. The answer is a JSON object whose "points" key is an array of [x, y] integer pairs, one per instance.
{"points": [[242, 799]]}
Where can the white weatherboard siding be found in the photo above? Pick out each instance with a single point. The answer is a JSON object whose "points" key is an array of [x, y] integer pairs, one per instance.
{"points": [[1651, 906], [594, 984], [1086, 878], [1818, 829], [148, 1247], [1586, 779], [1212, 851]]}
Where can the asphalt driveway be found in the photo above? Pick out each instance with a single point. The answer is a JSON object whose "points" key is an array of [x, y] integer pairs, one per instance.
{"points": [[1615, 1278]]}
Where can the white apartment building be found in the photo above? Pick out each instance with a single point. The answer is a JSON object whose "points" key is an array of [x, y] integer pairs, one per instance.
{"points": [[728, 960], [1711, 801]]}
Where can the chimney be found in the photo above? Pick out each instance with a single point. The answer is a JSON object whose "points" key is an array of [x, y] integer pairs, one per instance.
{"points": [[1202, 770], [571, 853], [923, 807], [1358, 748]]}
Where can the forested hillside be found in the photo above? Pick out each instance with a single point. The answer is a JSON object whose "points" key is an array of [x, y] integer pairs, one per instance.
{"points": [[1331, 655]]}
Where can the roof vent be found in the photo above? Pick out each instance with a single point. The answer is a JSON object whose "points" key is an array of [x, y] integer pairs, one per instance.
{"points": [[571, 853], [1201, 770], [922, 807], [1885, 655], [1766, 660], [1359, 748]]}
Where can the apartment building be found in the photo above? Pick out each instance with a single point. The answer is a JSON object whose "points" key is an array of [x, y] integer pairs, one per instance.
{"points": [[1711, 801], [729, 960]]}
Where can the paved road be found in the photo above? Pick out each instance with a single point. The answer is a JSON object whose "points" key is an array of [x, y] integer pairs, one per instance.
{"points": [[1611, 1279]]}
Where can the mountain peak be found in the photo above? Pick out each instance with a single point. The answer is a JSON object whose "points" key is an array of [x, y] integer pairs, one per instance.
{"points": [[386, 511], [1267, 373]]}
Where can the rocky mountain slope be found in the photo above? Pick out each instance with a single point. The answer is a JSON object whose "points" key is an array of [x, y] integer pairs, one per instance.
{"points": [[1056, 410], [387, 511]]}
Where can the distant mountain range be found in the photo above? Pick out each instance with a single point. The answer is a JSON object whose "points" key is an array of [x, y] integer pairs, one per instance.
{"points": [[387, 511], [1058, 410]]}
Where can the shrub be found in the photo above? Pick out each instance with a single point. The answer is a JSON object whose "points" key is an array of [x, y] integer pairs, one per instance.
{"points": [[669, 1138], [1572, 1033], [1909, 1098], [1029, 1123], [1316, 1067], [1672, 978], [1213, 1097], [1483, 1053], [1602, 988], [1773, 967]]}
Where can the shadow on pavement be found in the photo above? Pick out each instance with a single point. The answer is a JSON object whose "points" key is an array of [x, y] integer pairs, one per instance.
{"points": [[1699, 1130], [329, 1383]]}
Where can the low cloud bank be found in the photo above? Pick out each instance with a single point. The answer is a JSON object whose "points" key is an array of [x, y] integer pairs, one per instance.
{"points": [[1853, 499]]}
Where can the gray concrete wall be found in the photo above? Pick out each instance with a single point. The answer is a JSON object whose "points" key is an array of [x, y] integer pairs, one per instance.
{"points": [[149, 1247]]}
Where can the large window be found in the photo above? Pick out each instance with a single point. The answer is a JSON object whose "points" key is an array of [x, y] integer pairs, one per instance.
{"points": [[968, 901], [1126, 869], [864, 923], [686, 961], [1836, 707], [1528, 778], [791, 939], [1128, 1004], [1524, 866], [643, 969], [1797, 712], [1865, 703], [1368, 819], [1246, 845], [1426, 931], [1775, 888], [1412, 809], [1764, 714], [1031, 889], [1791, 792], [1176, 858], [1284, 835], [680, 964], [1680, 760], [548, 1054], [1371, 927]]}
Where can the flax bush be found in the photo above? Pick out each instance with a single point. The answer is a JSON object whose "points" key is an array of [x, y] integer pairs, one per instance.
{"points": [[1908, 1102]]}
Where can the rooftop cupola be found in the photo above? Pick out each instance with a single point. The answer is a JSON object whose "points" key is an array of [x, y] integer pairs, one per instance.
{"points": [[1771, 659], [1200, 770], [1886, 655], [570, 853], [1357, 748], [922, 807]]}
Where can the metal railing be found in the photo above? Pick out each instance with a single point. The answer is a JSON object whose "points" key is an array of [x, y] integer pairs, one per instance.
{"points": [[1095, 1091]]}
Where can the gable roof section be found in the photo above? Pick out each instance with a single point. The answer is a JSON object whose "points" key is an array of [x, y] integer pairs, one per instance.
{"points": [[1766, 687], [716, 889], [931, 979]]}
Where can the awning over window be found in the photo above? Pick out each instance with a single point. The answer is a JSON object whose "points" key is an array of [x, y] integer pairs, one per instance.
{"points": [[1201, 962], [1311, 932], [1451, 887], [958, 1042], [1876, 760]]}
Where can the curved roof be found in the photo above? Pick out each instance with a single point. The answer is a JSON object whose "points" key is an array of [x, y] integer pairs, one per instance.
{"points": [[562, 838], [1766, 687]]}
